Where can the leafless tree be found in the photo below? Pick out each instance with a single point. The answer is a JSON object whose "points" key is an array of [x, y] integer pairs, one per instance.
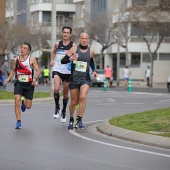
{"points": [[124, 20], [102, 29], [154, 27], [3, 37]]}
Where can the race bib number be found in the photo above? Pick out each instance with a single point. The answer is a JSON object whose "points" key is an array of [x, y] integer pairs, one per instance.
{"points": [[81, 66], [60, 55], [23, 78]]}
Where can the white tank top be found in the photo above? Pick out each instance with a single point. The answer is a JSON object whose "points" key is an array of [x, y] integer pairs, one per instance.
{"points": [[60, 53], [126, 73]]}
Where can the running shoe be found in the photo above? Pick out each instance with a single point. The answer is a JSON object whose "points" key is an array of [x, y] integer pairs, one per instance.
{"points": [[23, 108], [63, 116], [70, 126], [18, 125], [80, 125], [56, 115]]}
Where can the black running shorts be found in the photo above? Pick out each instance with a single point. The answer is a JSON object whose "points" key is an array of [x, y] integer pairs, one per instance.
{"points": [[26, 90], [63, 77], [75, 85]]}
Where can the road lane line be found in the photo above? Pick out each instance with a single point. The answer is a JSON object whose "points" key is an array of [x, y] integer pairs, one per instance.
{"points": [[113, 145], [167, 100], [112, 100], [134, 103], [117, 146]]}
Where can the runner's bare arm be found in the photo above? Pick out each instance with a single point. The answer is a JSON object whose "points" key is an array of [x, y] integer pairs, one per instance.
{"points": [[93, 65], [91, 53], [36, 67], [53, 54]]}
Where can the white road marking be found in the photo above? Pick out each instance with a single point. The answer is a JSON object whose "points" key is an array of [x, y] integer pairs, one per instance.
{"points": [[112, 100], [134, 103], [105, 104], [117, 146], [167, 100]]}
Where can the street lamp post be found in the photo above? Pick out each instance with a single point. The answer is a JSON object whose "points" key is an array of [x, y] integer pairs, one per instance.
{"points": [[53, 37]]}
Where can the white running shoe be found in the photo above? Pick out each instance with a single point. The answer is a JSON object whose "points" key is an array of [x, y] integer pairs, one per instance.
{"points": [[63, 117], [56, 115]]}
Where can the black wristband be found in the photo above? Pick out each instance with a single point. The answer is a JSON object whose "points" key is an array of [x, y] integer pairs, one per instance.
{"points": [[65, 60]]}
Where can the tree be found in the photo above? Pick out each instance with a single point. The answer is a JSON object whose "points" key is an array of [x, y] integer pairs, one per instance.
{"points": [[153, 27], [12, 39], [125, 29], [102, 29], [3, 37]]}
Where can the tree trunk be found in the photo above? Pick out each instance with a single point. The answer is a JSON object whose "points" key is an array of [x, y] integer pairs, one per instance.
{"points": [[127, 57], [101, 60], [151, 76]]}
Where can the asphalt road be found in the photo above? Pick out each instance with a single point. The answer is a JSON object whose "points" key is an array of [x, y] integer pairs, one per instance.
{"points": [[44, 143]]}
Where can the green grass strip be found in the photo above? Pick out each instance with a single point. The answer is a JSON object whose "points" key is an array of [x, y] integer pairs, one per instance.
{"points": [[4, 95], [155, 122]]}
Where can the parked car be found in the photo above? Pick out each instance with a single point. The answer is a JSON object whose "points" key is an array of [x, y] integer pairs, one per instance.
{"points": [[99, 80], [168, 84]]}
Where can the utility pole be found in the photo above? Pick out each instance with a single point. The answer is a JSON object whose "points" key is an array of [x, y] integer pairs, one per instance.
{"points": [[10, 26], [53, 37]]}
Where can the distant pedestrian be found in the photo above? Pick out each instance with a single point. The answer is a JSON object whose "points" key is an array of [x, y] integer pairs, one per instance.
{"points": [[5, 72], [147, 74], [126, 74], [1, 80], [46, 72], [108, 74]]}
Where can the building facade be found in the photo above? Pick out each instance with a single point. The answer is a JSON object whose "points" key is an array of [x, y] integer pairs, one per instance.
{"points": [[138, 54], [36, 14]]}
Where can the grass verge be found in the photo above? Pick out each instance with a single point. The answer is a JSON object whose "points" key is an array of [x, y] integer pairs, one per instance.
{"points": [[4, 95], [155, 122]]}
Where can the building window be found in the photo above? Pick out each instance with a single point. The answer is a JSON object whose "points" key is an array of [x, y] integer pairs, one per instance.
{"points": [[21, 19], [60, 20], [98, 6], [146, 58], [68, 1], [34, 1], [21, 5], [46, 17], [122, 60], [135, 59], [164, 57]]}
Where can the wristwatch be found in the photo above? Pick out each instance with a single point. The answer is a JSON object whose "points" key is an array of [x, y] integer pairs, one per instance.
{"points": [[35, 78]]}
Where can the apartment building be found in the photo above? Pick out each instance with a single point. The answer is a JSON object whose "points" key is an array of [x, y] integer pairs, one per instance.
{"points": [[36, 14], [138, 54]]}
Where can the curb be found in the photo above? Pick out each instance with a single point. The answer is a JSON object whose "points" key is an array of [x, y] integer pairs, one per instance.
{"points": [[138, 137]]}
